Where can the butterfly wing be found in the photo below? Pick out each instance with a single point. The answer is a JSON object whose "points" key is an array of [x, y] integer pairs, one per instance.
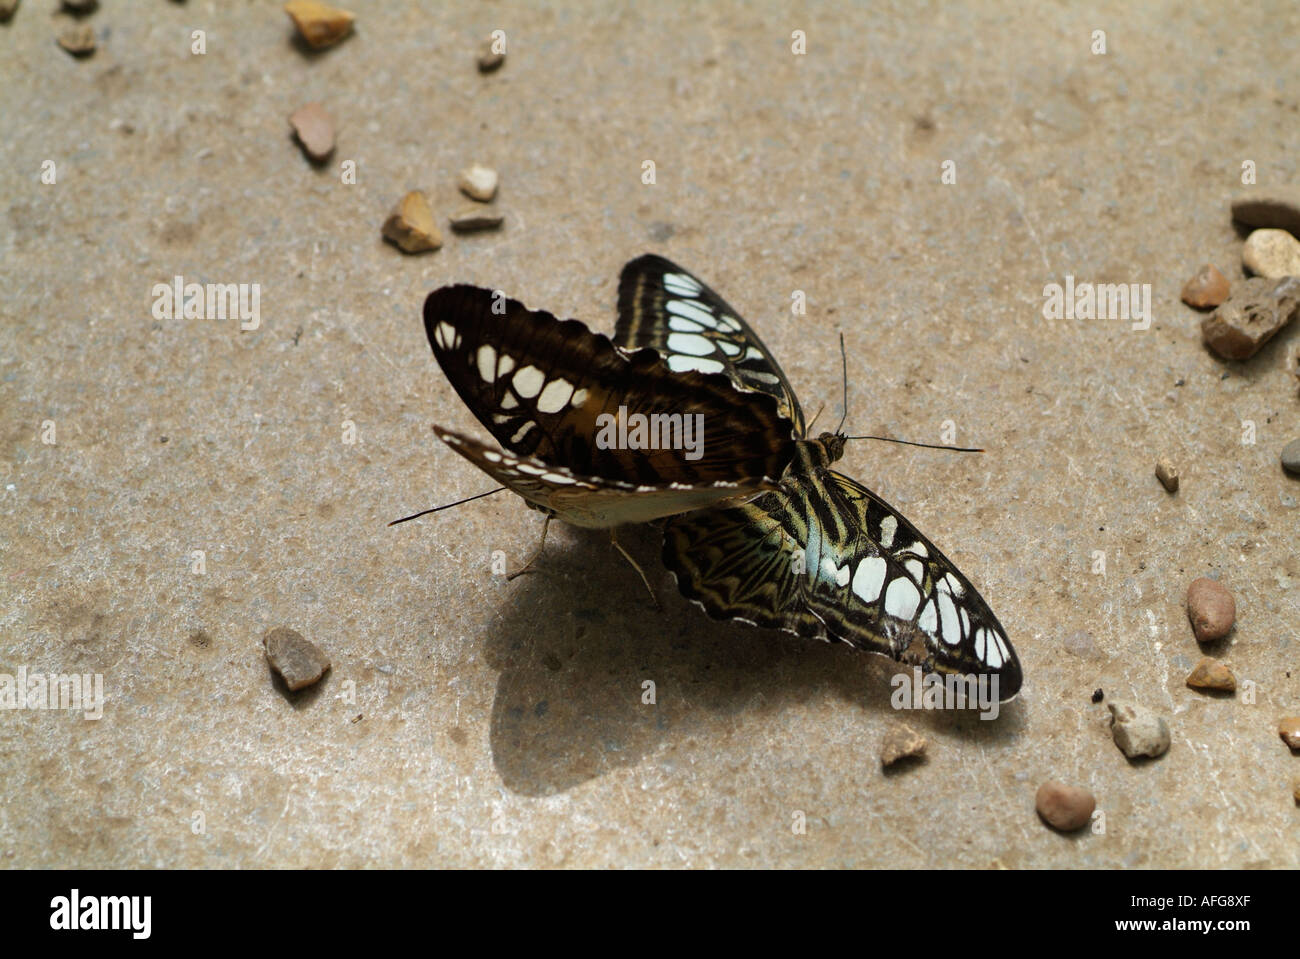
{"points": [[664, 307], [583, 501], [826, 557], [547, 388]]}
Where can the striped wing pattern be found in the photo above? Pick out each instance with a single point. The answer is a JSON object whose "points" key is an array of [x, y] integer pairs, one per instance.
{"points": [[665, 308], [826, 558], [823, 556], [541, 386]]}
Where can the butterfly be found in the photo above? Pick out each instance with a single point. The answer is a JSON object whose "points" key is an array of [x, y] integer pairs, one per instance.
{"points": [[550, 390], [821, 556]]}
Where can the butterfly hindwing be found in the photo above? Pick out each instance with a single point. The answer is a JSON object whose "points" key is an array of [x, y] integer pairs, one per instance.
{"points": [[826, 557], [662, 306], [544, 387], [583, 501]]}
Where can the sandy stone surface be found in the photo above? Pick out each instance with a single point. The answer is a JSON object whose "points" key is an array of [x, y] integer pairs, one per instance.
{"points": [[208, 482]]}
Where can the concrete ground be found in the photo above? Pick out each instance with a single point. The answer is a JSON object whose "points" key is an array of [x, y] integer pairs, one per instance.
{"points": [[470, 721]]}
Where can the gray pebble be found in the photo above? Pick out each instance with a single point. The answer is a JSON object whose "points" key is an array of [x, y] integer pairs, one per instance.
{"points": [[1291, 457], [298, 660], [1138, 731], [473, 220]]}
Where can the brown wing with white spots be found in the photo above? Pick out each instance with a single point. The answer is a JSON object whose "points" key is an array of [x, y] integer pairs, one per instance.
{"points": [[665, 308], [543, 387], [582, 501]]}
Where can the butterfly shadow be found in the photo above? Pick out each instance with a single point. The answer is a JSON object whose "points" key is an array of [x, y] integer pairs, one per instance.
{"points": [[593, 678]]}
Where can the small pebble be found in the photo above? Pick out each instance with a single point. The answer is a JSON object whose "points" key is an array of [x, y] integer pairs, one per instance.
{"points": [[900, 742], [1272, 253], [1138, 731], [80, 6], [318, 23], [1279, 209], [314, 129], [78, 39], [1211, 674], [1211, 609], [473, 219], [1208, 288], [479, 183], [1255, 310], [1291, 457], [1289, 730], [411, 224], [298, 660], [7, 8], [488, 59], [1098, 695], [1167, 473], [1063, 807]]}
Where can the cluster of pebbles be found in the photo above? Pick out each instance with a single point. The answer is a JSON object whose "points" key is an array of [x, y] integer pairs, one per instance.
{"points": [[411, 226], [1249, 311], [1142, 733]]}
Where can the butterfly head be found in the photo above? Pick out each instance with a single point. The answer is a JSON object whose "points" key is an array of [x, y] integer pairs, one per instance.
{"points": [[832, 446]]}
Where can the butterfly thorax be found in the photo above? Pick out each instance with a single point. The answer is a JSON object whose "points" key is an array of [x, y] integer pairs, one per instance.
{"points": [[814, 455]]}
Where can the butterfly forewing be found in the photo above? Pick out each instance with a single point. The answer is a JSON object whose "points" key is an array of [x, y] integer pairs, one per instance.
{"points": [[547, 388], [826, 557], [662, 306]]}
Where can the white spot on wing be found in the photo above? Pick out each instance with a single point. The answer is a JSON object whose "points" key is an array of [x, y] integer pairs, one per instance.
{"points": [[487, 363], [692, 311], [528, 381], [691, 343], [948, 619], [928, 619], [680, 363], [888, 526], [681, 284], [902, 598], [869, 578], [555, 397]]}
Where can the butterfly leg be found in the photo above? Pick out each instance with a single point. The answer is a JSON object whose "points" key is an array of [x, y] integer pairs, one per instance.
{"points": [[536, 553], [628, 556]]}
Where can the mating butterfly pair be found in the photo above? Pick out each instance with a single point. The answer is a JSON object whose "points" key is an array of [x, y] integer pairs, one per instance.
{"points": [[758, 527]]}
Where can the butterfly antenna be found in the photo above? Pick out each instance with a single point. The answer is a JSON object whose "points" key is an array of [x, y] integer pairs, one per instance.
{"points": [[438, 509], [844, 368], [928, 446]]}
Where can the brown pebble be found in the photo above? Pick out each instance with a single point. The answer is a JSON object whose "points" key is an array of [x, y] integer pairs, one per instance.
{"points": [[471, 220], [80, 7], [489, 59], [1207, 289], [298, 660], [1211, 674], [318, 23], [1255, 310], [315, 130], [1289, 730], [7, 8], [900, 742], [1295, 791], [1167, 473], [411, 227], [1211, 609], [78, 39], [1063, 807]]}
